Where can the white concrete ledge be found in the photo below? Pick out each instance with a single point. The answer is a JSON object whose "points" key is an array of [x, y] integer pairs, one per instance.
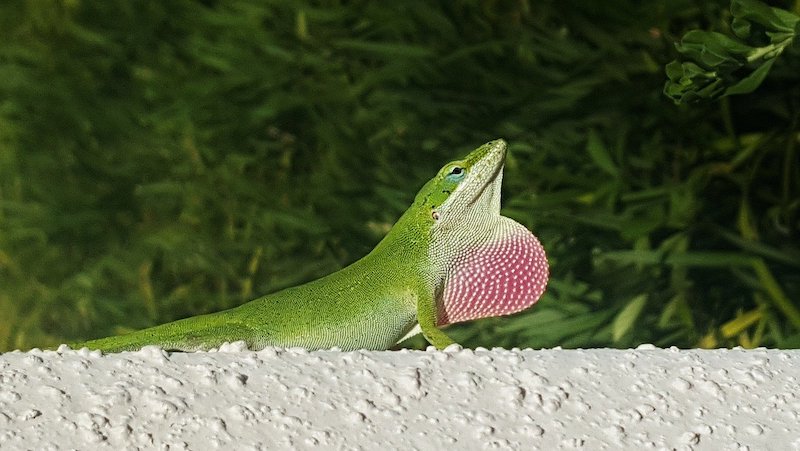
{"points": [[457, 399]]}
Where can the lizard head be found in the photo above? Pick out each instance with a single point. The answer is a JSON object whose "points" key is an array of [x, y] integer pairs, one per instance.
{"points": [[464, 188], [482, 264]]}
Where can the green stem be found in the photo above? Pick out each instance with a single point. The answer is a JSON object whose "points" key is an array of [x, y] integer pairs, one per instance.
{"points": [[788, 166], [770, 285], [773, 49], [727, 120]]}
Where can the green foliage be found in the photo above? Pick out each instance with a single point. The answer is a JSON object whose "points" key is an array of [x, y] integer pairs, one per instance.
{"points": [[176, 158], [713, 65]]}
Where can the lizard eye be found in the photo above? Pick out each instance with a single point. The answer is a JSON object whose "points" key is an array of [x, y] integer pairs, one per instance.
{"points": [[456, 174]]}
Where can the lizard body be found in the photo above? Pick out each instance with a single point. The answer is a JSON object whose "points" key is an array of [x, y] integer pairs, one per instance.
{"points": [[450, 257]]}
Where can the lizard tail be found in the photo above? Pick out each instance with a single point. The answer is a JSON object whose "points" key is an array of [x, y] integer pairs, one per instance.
{"points": [[199, 333]]}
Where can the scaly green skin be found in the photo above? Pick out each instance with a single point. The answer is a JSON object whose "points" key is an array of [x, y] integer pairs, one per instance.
{"points": [[371, 304]]}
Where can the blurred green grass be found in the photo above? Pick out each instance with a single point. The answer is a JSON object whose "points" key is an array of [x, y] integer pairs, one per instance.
{"points": [[176, 158]]}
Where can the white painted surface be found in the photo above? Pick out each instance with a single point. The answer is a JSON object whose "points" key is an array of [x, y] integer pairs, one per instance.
{"points": [[457, 399]]}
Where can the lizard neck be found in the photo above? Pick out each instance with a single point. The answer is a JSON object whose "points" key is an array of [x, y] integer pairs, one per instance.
{"points": [[405, 248]]}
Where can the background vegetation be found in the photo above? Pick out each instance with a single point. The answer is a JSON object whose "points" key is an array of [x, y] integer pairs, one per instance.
{"points": [[165, 159]]}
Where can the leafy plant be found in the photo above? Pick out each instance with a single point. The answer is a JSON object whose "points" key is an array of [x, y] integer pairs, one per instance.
{"points": [[714, 65]]}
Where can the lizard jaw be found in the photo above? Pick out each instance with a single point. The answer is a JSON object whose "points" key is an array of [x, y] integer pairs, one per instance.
{"points": [[486, 168]]}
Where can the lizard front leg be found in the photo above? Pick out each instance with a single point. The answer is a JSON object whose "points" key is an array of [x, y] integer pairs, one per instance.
{"points": [[426, 316]]}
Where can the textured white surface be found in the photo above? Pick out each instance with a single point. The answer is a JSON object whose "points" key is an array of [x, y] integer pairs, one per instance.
{"points": [[457, 399]]}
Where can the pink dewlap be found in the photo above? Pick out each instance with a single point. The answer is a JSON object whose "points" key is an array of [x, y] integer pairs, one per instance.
{"points": [[500, 278]]}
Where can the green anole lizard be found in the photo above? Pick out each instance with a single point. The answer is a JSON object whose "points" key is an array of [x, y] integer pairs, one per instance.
{"points": [[451, 257]]}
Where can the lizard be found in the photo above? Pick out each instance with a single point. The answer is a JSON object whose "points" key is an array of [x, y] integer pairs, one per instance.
{"points": [[451, 257]]}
